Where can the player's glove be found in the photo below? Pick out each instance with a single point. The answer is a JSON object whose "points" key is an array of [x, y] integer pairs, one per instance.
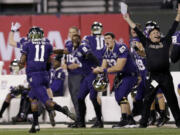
{"points": [[15, 27]]}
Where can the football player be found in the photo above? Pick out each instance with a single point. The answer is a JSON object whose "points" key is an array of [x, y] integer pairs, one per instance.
{"points": [[98, 48], [74, 68], [86, 60], [117, 60], [36, 54], [57, 77], [19, 44], [14, 92]]}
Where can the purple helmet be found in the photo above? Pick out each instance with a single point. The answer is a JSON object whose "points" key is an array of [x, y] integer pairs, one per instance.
{"points": [[176, 38], [150, 25]]}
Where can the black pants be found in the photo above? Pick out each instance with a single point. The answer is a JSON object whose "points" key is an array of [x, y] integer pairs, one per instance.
{"points": [[74, 86], [165, 82]]}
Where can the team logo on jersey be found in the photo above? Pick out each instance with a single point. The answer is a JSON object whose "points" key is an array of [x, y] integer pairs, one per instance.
{"points": [[122, 49]]}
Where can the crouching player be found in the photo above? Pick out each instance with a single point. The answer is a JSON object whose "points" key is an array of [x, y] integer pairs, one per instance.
{"points": [[117, 60]]}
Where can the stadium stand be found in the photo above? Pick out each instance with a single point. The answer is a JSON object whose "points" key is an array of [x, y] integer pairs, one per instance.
{"points": [[79, 6], [17, 6]]}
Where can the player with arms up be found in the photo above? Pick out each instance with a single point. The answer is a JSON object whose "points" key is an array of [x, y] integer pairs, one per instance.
{"points": [[157, 57]]}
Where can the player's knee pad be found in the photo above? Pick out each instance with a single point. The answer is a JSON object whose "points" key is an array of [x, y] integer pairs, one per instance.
{"points": [[124, 100]]}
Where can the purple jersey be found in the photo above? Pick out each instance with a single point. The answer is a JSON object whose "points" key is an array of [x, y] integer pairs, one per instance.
{"points": [[38, 54], [69, 45], [24, 40], [139, 60], [97, 45], [70, 58], [57, 78], [120, 51], [83, 50]]}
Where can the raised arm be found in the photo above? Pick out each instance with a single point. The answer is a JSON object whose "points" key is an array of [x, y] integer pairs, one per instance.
{"points": [[133, 26], [175, 24], [22, 61], [129, 21], [178, 13], [14, 28], [12, 42], [60, 51]]}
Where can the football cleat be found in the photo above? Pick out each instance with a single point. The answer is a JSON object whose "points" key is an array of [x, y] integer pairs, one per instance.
{"points": [[162, 121], [51, 117], [78, 125], [68, 113], [34, 128], [98, 124], [121, 124]]}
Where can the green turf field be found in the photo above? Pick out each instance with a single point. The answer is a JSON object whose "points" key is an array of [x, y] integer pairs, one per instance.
{"points": [[61, 131]]}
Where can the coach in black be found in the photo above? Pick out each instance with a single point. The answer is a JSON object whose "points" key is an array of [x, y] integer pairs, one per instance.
{"points": [[157, 53]]}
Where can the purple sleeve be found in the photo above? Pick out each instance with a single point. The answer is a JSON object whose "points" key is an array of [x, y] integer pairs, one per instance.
{"points": [[179, 86], [123, 52], [24, 49], [69, 46], [50, 49], [21, 42], [84, 49], [18, 45]]}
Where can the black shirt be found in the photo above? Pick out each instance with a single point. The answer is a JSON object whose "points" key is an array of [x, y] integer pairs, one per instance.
{"points": [[157, 53], [175, 54]]}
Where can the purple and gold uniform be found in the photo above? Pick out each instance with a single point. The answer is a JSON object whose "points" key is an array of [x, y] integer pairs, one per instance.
{"points": [[128, 73], [140, 63], [84, 55], [97, 45], [86, 83], [37, 54], [57, 81]]}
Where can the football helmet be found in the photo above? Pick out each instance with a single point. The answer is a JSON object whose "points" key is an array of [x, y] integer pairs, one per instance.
{"points": [[96, 28], [150, 25], [36, 33], [176, 38], [100, 83], [14, 67]]}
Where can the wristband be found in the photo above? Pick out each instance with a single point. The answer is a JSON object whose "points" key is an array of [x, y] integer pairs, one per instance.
{"points": [[14, 30]]}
